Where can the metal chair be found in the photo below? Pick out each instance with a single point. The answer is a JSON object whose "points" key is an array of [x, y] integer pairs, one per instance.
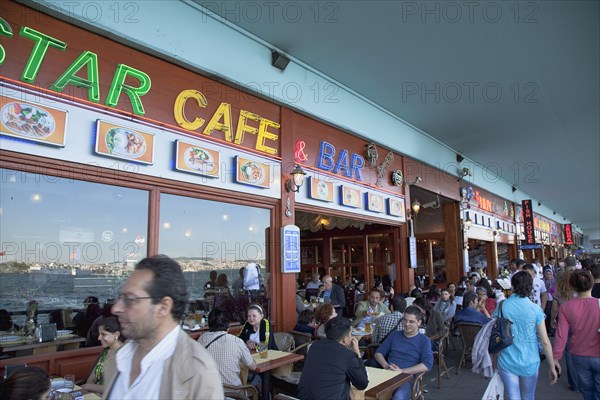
{"points": [[417, 387], [467, 334], [243, 392]]}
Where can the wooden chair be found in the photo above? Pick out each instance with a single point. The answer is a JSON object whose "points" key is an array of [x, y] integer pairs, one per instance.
{"points": [[467, 334], [417, 387], [244, 392], [440, 356], [300, 340]]}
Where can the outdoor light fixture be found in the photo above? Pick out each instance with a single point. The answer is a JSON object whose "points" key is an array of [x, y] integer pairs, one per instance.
{"points": [[468, 222], [294, 184], [415, 207], [279, 61]]}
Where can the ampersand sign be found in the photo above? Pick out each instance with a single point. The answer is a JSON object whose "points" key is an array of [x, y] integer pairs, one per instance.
{"points": [[299, 154]]}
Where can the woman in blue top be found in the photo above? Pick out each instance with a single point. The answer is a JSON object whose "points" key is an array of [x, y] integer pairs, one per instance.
{"points": [[519, 363]]}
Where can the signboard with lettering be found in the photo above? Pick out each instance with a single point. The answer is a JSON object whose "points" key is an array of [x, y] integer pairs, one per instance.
{"points": [[290, 249], [412, 251], [530, 246], [568, 235], [528, 226]]}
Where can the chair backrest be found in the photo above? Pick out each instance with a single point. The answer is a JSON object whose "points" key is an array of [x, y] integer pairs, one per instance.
{"points": [[417, 388], [245, 392], [467, 333], [284, 341]]}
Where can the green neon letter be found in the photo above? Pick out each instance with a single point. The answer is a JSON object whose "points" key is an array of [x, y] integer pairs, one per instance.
{"points": [[118, 85], [42, 42], [92, 83], [5, 30]]}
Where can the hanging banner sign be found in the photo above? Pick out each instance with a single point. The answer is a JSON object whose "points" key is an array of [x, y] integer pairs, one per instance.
{"points": [[568, 235], [528, 225]]}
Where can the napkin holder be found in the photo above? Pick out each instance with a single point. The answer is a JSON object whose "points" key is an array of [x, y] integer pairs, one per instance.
{"points": [[46, 332]]}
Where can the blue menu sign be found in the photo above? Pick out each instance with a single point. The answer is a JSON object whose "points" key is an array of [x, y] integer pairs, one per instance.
{"points": [[290, 249]]}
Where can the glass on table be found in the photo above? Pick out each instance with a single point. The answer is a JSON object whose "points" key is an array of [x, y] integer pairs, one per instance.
{"points": [[263, 350], [69, 382]]}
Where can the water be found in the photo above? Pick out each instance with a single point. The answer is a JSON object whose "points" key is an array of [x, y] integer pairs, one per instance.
{"points": [[53, 291]]}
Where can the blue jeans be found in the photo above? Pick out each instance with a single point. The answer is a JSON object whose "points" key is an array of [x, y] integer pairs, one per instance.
{"points": [[588, 376], [518, 387], [404, 392]]}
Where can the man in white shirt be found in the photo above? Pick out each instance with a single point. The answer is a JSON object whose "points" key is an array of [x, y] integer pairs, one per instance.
{"points": [[538, 294], [315, 283], [539, 270], [159, 360]]}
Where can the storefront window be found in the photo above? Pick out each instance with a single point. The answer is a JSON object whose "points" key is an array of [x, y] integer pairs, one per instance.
{"points": [[63, 239], [204, 235]]}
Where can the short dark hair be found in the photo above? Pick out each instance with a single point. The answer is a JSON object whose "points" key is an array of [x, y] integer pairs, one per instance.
{"points": [[522, 283], [528, 267], [110, 324], [416, 311], [423, 303], [416, 293], [306, 316], [218, 320], [168, 281], [581, 280], [27, 383], [468, 297], [535, 261], [595, 268], [337, 327], [374, 290], [520, 262], [570, 261], [398, 303], [551, 259]]}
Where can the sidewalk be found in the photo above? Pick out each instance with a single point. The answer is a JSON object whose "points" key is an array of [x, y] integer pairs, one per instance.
{"points": [[469, 386]]}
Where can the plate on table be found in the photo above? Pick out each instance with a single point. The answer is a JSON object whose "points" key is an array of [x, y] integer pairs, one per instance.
{"points": [[58, 383], [356, 332], [187, 328], [63, 332], [10, 338]]}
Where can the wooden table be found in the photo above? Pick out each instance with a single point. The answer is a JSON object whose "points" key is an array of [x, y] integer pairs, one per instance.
{"points": [[86, 394], [26, 347], [382, 384], [275, 360]]}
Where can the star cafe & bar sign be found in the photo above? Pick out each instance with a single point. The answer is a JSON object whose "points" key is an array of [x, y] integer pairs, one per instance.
{"points": [[528, 227], [83, 73]]}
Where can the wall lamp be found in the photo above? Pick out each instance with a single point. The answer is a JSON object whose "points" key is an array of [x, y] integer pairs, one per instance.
{"points": [[467, 222], [415, 207], [294, 184], [279, 61], [418, 179]]}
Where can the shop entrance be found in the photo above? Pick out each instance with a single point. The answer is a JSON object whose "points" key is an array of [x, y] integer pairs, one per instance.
{"points": [[351, 251]]}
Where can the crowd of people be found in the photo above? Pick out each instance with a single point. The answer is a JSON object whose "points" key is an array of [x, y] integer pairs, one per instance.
{"points": [[146, 354]]}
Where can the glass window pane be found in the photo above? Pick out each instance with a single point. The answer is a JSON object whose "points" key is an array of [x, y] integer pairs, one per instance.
{"points": [[205, 235], [64, 239]]}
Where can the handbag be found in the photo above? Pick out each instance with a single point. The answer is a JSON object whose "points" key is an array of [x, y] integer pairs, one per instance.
{"points": [[501, 336], [495, 389]]}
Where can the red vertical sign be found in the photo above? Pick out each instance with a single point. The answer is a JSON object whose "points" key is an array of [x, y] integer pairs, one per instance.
{"points": [[528, 226], [568, 235]]}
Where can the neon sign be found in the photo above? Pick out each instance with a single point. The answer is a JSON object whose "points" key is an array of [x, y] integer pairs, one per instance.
{"points": [[351, 168]]}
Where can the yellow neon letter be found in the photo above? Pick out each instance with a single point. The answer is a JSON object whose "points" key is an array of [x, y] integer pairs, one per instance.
{"points": [[179, 109], [223, 111], [242, 127], [263, 135]]}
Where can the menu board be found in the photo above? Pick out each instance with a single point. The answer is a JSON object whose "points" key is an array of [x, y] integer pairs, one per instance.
{"points": [[34, 122], [196, 160], [374, 202], [319, 189], [125, 143], [252, 172], [350, 197]]}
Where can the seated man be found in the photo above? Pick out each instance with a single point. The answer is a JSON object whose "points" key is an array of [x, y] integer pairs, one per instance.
{"points": [[390, 322], [369, 310], [332, 364], [406, 351], [469, 312], [228, 351]]}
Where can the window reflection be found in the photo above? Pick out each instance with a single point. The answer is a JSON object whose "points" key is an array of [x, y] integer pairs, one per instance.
{"points": [[205, 235], [59, 234]]}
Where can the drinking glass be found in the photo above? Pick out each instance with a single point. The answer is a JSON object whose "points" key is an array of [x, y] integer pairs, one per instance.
{"points": [[69, 382], [263, 350]]}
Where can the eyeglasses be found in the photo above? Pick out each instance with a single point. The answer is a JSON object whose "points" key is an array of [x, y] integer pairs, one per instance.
{"points": [[128, 301]]}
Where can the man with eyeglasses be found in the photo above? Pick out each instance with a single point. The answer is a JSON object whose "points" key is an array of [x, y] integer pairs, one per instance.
{"points": [[159, 360], [406, 351]]}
